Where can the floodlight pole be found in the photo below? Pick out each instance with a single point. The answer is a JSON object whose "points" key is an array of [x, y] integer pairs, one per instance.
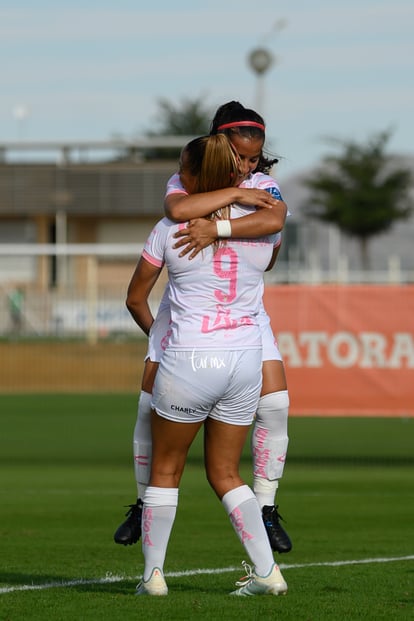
{"points": [[260, 60]]}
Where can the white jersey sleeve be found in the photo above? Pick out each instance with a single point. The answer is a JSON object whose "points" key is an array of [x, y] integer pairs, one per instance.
{"points": [[174, 186], [154, 248], [262, 182]]}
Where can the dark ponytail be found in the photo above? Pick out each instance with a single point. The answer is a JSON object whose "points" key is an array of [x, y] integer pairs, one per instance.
{"points": [[234, 112]]}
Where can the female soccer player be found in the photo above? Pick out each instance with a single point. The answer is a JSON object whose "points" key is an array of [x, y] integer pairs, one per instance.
{"points": [[209, 374]]}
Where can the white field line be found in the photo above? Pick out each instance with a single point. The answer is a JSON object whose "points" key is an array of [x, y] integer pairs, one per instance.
{"points": [[109, 578]]}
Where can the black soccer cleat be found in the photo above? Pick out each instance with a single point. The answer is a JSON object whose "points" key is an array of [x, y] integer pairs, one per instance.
{"points": [[278, 537], [130, 531]]}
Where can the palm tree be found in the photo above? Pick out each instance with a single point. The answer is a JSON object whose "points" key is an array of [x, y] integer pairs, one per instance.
{"points": [[362, 191]]}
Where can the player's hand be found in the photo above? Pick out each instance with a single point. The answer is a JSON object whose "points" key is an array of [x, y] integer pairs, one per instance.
{"points": [[198, 234], [257, 198]]}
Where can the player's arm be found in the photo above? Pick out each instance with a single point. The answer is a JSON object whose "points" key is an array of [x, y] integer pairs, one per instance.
{"points": [[180, 206], [200, 233], [142, 282]]}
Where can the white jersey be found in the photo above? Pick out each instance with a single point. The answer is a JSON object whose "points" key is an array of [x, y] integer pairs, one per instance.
{"points": [[214, 298]]}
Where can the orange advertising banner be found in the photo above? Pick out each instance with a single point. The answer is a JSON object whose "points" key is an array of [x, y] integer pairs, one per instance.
{"points": [[348, 350]]}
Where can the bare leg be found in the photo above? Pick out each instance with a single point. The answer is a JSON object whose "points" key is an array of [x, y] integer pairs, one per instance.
{"points": [[170, 444], [223, 445]]}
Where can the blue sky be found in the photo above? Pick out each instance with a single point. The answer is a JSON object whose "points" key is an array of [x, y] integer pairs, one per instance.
{"points": [[84, 70]]}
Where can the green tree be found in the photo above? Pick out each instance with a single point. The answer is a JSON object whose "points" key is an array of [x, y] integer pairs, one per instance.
{"points": [[362, 191], [191, 117]]}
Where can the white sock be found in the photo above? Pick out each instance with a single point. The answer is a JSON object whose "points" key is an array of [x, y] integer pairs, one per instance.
{"points": [[143, 443], [265, 491], [160, 507], [246, 518], [269, 445]]}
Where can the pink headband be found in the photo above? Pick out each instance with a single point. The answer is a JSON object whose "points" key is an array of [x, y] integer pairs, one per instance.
{"points": [[241, 124]]}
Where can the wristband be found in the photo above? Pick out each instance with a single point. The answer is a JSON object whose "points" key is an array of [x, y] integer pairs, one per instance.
{"points": [[223, 228]]}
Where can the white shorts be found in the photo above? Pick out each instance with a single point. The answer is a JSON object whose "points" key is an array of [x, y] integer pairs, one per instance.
{"points": [[160, 332], [270, 350], [193, 385]]}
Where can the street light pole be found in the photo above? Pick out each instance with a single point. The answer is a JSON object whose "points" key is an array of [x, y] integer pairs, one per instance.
{"points": [[21, 114], [260, 60]]}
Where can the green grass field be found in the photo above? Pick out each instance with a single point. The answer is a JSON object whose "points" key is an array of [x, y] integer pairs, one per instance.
{"points": [[347, 497]]}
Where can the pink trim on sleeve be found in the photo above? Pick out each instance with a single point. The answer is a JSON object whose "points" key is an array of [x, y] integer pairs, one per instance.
{"points": [[152, 259], [278, 240]]}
